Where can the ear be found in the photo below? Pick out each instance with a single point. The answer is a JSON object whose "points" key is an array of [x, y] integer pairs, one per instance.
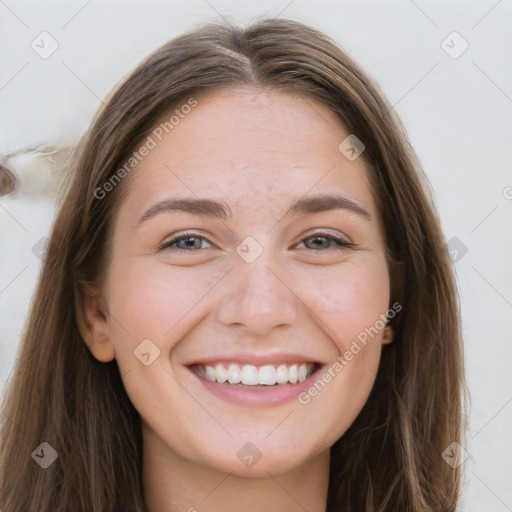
{"points": [[387, 336], [91, 316]]}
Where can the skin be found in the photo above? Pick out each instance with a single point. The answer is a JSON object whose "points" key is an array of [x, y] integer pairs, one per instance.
{"points": [[256, 150]]}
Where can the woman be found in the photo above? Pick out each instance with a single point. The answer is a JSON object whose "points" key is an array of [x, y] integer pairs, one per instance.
{"points": [[304, 355]]}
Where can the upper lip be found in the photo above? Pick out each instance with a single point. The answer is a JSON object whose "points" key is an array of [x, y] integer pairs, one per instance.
{"points": [[256, 359]]}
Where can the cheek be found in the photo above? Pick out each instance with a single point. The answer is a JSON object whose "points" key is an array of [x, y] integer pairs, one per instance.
{"points": [[349, 308], [352, 300], [159, 303], [150, 301]]}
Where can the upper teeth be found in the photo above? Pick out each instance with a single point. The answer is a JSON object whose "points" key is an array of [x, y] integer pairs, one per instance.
{"points": [[251, 375]]}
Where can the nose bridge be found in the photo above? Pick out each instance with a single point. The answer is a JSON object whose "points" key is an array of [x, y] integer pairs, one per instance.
{"points": [[257, 296]]}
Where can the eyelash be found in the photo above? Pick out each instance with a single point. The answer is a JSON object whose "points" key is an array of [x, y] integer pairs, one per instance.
{"points": [[340, 242]]}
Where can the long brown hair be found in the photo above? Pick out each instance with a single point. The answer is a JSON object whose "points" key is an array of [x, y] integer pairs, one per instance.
{"points": [[390, 459]]}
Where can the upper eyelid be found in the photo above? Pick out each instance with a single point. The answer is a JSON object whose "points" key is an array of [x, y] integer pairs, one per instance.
{"points": [[180, 236]]}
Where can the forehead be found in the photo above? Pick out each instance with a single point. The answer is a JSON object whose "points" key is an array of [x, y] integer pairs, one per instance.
{"points": [[252, 148]]}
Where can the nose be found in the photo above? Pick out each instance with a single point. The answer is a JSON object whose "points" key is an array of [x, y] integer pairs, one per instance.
{"points": [[258, 298]]}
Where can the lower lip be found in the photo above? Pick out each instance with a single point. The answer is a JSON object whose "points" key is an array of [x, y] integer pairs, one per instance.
{"points": [[262, 397]]}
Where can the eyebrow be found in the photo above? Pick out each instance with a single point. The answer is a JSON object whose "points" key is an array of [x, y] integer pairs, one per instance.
{"points": [[220, 210]]}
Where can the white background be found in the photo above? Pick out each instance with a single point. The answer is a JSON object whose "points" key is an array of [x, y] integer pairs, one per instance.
{"points": [[458, 112]]}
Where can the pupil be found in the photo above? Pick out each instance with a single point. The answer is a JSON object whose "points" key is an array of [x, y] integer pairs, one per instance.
{"points": [[190, 242]]}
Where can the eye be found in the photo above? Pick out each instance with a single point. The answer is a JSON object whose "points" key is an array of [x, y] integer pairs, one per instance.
{"points": [[325, 241], [188, 242], [184, 242]]}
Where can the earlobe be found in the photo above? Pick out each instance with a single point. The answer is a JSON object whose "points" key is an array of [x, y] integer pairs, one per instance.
{"points": [[91, 317], [387, 336]]}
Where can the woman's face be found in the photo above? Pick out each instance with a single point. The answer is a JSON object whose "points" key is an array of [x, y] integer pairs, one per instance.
{"points": [[245, 272]]}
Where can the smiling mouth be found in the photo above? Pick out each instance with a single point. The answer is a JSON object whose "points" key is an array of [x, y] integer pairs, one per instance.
{"points": [[249, 375]]}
